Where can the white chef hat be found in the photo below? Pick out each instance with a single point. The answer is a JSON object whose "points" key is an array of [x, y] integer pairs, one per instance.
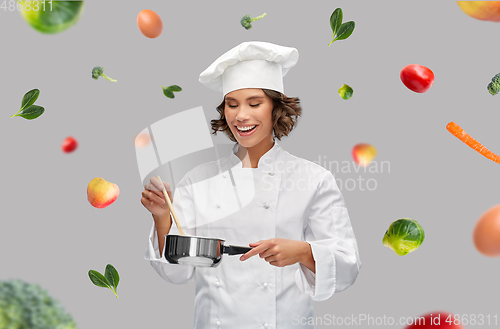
{"points": [[253, 64]]}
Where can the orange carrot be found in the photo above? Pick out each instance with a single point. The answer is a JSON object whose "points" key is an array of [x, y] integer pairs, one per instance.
{"points": [[458, 132]]}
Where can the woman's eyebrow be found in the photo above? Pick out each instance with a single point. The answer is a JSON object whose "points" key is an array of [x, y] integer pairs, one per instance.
{"points": [[254, 97], [249, 98]]}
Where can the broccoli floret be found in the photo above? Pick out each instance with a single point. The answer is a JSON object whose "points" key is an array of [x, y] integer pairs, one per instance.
{"points": [[99, 72], [494, 85], [28, 306], [247, 20]]}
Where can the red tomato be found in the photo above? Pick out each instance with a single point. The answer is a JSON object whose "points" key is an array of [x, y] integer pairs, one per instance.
{"points": [[417, 78], [69, 145], [435, 320]]}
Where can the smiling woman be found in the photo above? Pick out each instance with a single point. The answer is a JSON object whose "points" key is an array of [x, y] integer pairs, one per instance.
{"points": [[302, 235]]}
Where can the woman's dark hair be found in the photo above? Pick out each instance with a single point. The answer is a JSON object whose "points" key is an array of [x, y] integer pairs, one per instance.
{"points": [[286, 110]]}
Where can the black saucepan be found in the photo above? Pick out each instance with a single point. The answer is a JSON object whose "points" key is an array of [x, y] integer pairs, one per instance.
{"points": [[198, 251]]}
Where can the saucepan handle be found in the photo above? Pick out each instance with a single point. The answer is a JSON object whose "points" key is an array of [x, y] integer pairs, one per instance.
{"points": [[236, 250]]}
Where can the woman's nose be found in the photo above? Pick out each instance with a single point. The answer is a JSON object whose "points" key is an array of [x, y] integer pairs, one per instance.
{"points": [[243, 113]]}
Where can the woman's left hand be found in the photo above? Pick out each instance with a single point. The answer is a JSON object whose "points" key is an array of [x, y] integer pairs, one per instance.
{"points": [[282, 252]]}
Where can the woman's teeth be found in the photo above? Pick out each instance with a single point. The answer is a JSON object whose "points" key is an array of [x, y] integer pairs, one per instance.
{"points": [[245, 128]]}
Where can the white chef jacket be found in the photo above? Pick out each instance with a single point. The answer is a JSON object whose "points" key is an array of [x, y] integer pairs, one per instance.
{"points": [[294, 199]]}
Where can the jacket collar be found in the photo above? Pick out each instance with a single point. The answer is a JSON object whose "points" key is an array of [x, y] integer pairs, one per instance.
{"points": [[266, 162]]}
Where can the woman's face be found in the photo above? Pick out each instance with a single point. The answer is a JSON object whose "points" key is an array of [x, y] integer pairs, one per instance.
{"points": [[249, 116]]}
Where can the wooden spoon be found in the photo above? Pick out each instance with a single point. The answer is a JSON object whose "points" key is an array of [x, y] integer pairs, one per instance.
{"points": [[181, 232]]}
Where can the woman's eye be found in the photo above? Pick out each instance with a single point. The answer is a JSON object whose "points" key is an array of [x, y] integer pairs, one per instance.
{"points": [[254, 105], [232, 106]]}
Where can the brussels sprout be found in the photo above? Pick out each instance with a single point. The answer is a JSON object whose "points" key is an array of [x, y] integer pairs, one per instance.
{"points": [[404, 236], [346, 91], [52, 17]]}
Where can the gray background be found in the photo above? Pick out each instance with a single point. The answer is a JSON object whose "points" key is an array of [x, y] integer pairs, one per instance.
{"points": [[50, 234]]}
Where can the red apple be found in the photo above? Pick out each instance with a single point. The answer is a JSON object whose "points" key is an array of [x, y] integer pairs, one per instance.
{"points": [[102, 193], [363, 154], [483, 10]]}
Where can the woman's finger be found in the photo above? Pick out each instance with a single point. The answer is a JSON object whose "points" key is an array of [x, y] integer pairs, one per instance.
{"points": [[158, 199], [156, 187], [152, 196], [158, 193], [271, 259], [155, 184], [146, 202], [254, 251], [267, 253], [146, 194], [255, 244], [151, 187]]}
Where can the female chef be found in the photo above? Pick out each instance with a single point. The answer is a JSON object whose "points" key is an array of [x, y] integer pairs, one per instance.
{"points": [[304, 248]]}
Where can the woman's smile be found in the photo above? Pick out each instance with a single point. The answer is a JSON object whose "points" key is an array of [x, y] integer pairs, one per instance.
{"points": [[246, 130]]}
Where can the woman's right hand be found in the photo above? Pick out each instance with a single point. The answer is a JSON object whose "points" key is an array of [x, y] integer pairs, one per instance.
{"points": [[154, 200]]}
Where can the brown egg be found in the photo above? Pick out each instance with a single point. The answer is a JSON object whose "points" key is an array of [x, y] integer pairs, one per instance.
{"points": [[487, 232], [149, 23]]}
